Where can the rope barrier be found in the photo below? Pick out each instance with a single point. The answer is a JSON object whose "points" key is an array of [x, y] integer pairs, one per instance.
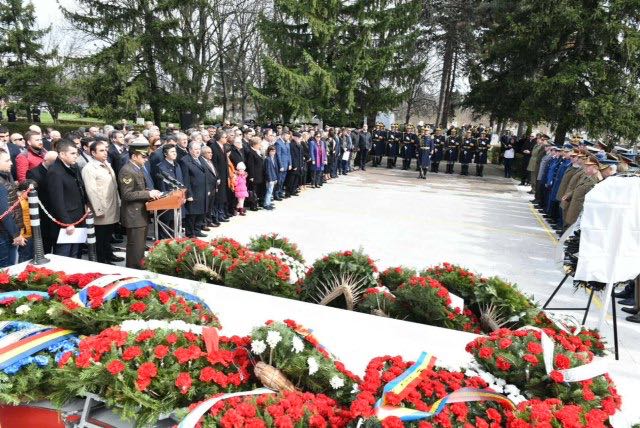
{"points": [[58, 222], [22, 197]]}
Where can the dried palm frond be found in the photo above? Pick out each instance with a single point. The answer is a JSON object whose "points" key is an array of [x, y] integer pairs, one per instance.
{"points": [[491, 319], [201, 269], [345, 284], [272, 378]]}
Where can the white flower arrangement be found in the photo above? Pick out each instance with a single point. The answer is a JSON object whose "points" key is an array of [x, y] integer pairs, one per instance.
{"points": [[297, 270], [273, 338], [495, 383], [336, 382], [258, 347], [134, 326], [313, 365], [23, 309], [51, 311]]}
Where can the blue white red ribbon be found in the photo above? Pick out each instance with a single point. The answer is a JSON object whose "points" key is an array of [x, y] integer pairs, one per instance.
{"points": [[411, 375]]}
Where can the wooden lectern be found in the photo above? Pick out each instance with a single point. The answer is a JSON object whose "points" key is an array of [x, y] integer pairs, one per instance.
{"points": [[173, 201]]}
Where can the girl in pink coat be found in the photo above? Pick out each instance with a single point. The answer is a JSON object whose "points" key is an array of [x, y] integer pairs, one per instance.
{"points": [[241, 187]]}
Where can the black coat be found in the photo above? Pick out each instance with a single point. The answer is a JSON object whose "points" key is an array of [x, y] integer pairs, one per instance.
{"points": [[255, 167], [14, 151], [181, 152], [236, 155], [213, 179], [174, 171], [66, 195], [117, 160], [220, 162], [297, 160], [199, 188]]}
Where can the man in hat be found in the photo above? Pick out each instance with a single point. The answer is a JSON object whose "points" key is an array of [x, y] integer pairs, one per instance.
{"points": [[410, 140], [590, 179], [379, 137], [537, 154], [526, 148], [136, 188], [451, 150], [467, 150], [394, 136], [483, 143], [553, 205], [439, 142]]}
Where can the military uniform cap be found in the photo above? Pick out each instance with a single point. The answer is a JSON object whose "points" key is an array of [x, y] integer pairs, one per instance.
{"points": [[591, 160], [139, 146], [606, 163]]}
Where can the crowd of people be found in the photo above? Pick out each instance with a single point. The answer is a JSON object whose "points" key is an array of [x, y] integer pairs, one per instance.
{"points": [[226, 171]]}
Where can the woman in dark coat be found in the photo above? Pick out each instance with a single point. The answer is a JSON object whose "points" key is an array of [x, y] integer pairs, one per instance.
{"points": [[255, 170]]}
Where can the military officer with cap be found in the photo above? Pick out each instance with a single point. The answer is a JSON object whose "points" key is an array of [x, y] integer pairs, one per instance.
{"points": [[136, 189], [394, 137], [379, 144], [451, 150], [589, 180], [482, 149], [439, 142], [467, 149], [410, 140]]}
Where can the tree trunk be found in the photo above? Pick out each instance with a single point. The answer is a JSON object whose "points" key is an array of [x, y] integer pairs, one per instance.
{"points": [[521, 128], [446, 70], [448, 103], [407, 116], [561, 131], [147, 49], [221, 70]]}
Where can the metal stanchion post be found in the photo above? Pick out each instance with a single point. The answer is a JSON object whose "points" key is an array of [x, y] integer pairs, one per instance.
{"points": [[91, 237], [34, 213]]}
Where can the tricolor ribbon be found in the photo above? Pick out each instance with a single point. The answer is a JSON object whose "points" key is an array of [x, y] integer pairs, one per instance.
{"points": [[112, 283], [19, 294], [30, 345], [399, 385], [307, 334], [194, 415], [18, 335]]}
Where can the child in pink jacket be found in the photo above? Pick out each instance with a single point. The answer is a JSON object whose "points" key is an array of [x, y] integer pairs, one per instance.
{"points": [[241, 187]]}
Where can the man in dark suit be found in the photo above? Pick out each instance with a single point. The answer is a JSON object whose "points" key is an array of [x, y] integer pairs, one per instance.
{"points": [[255, 171], [212, 177], [67, 198], [296, 165], [39, 175], [117, 153], [134, 193], [220, 162], [195, 178]]}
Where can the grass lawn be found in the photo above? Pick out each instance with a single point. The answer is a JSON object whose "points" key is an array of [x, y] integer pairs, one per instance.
{"points": [[46, 118]]}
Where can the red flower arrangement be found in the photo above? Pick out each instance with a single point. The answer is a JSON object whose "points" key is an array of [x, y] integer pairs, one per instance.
{"points": [[517, 357], [290, 409], [554, 413], [261, 273], [432, 385], [131, 370], [393, 277], [273, 240], [41, 279]]}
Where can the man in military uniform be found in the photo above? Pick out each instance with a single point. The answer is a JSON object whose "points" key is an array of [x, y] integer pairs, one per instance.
{"points": [[439, 142], [482, 153], [379, 143], [410, 140], [394, 137], [467, 150], [425, 151], [537, 154], [589, 180], [135, 189], [451, 150]]}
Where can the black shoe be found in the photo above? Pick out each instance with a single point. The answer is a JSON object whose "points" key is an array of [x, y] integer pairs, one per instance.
{"points": [[633, 318], [206, 229], [627, 302], [224, 220], [269, 207], [632, 311], [199, 234], [115, 240], [625, 293], [115, 259]]}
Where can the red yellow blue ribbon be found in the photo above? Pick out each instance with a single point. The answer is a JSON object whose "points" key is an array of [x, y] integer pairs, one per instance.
{"points": [[30, 345], [411, 375]]}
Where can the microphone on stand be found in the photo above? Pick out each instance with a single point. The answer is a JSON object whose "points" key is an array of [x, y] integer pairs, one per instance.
{"points": [[162, 178], [175, 182]]}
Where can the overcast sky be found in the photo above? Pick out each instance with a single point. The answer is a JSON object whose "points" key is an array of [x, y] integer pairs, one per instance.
{"points": [[48, 12]]}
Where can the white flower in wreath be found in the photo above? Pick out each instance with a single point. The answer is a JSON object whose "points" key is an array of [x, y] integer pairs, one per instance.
{"points": [[258, 347], [23, 309], [336, 382], [297, 345], [1, 311], [51, 311], [313, 365], [273, 338]]}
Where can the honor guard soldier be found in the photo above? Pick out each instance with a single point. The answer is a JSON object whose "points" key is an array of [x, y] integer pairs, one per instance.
{"points": [[394, 145], [451, 150], [410, 143], [425, 152], [136, 188], [379, 144], [467, 150], [439, 143], [482, 150]]}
